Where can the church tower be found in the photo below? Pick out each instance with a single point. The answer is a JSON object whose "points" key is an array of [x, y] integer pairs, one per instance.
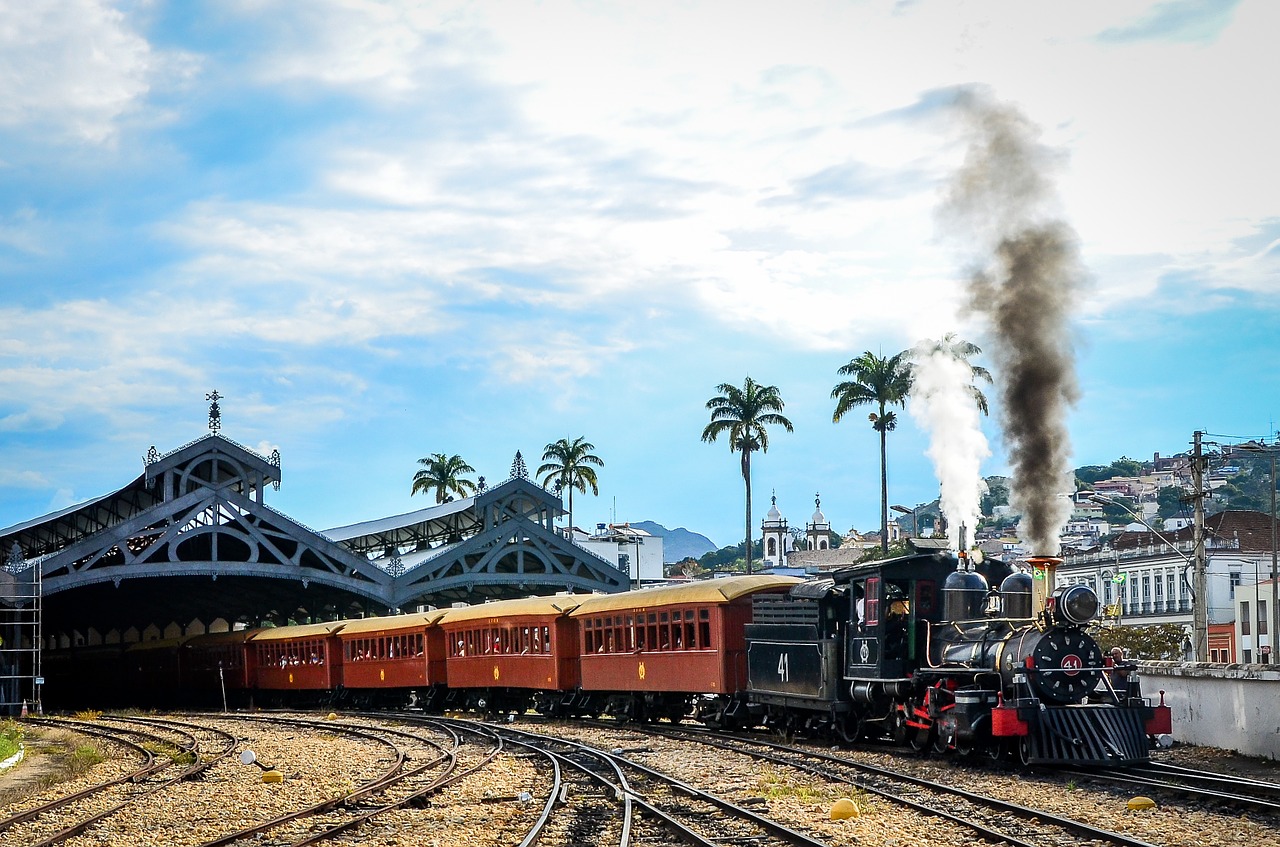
{"points": [[775, 535], [818, 531]]}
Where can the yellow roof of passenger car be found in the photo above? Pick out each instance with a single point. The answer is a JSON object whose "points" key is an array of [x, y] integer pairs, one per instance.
{"points": [[233, 636], [392, 623], [156, 644], [703, 591], [556, 604], [307, 630]]}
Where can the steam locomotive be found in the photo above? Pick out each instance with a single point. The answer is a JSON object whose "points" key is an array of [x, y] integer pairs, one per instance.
{"points": [[923, 650]]}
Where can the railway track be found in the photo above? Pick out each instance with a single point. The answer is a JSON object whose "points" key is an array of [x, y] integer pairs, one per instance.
{"points": [[63, 818], [656, 808], [1183, 784], [989, 818], [393, 788], [391, 777]]}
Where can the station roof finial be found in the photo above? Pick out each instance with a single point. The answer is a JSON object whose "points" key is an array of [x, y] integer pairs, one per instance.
{"points": [[215, 414]]}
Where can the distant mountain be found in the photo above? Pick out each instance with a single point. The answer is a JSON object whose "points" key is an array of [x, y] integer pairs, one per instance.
{"points": [[678, 544]]}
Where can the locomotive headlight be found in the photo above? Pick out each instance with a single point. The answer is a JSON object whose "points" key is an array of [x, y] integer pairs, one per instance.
{"points": [[1077, 604]]}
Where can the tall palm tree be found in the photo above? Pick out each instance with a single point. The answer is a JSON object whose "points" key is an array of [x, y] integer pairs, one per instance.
{"points": [[962, 351], [742, 414], [884, 381], [444, 474], [572, 465]]}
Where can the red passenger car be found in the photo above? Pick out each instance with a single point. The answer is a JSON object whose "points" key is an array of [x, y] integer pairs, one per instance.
{"points": [[646, 654], [151, 671], [216, 662], [506, 651], [298, 658], [396, 652]]}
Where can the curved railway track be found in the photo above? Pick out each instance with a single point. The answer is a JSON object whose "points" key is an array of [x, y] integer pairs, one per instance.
{"points": [[317, 822], [557, 786], [658, 807], [987, 817], [46, 824]]}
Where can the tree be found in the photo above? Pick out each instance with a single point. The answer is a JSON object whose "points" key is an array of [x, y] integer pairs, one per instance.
{"points": [[743, 415], [1124, 466], [883, 381], [1121, 510], [963, 351], [572, 465], [444, 474], [1156, 642], [1169, 500], [997, 495]]}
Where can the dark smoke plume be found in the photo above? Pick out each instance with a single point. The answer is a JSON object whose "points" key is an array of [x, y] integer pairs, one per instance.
{"points": [[1002, 202]]}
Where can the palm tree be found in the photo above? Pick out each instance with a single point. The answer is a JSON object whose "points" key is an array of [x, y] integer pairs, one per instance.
{"points": [[444, 474], [884, 381], [743, 413], [569, 465], [961, 351]]}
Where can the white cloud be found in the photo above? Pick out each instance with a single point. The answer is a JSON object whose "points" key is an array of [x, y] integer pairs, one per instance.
{"points": [[72, 68], [22, 479], [646, 148]]}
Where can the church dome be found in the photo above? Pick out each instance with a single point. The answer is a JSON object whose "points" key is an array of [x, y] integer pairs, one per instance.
{"points": [[818, 518]]}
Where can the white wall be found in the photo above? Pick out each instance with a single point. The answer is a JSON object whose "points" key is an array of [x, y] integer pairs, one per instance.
{"points": [[651, 555], [1232, 707]]}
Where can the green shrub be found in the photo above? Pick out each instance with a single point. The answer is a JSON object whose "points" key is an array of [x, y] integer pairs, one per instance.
{"points": [[10, 738]]}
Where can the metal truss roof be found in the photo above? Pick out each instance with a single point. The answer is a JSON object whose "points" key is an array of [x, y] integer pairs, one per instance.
{"points": [[196, 518]]}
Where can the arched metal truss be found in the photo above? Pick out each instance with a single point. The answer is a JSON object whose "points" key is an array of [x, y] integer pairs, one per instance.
{"points": [[192, 539]]}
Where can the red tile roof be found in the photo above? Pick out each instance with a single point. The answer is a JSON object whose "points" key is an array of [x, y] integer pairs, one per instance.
{"points": [[1251, 529]]}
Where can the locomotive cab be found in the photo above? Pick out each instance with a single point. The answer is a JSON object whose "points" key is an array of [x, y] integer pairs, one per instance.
{"points": [[891, 605]]}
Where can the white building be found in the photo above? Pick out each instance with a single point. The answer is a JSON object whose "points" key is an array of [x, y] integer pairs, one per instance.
{"points": [[631, 549], [1155, 577], [1254, 638], [817, 531], [775, 537]]}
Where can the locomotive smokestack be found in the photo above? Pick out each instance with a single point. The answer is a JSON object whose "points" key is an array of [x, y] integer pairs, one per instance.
{"points": [[1027, 276], [1043, 571]]}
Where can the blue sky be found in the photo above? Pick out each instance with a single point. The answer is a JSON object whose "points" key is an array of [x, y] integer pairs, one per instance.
{"points": [[385, 230]]}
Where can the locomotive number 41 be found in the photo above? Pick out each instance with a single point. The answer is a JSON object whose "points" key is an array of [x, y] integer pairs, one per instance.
{"points": [[784, 667]]}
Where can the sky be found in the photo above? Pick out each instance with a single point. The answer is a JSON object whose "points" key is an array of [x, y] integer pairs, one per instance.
{"points": [[385, 230]]}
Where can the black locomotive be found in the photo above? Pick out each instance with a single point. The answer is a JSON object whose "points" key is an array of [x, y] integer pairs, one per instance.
{"points": [[924, 650]]}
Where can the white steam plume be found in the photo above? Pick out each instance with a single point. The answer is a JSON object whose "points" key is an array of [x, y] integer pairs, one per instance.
{"points": [[943, 404]]}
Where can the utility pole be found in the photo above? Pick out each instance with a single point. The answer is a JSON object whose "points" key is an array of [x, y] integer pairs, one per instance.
{"points": [[1200, 578], [1275, 586]]}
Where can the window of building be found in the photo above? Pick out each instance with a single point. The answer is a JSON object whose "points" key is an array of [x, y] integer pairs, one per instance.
{"points": [[1235, 582], [1262, 617], [1248, 657], [1244, 619]]}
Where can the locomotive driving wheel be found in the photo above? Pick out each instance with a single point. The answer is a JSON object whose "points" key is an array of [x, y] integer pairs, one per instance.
{"points": [[898, 729], [922, 737], [1024, 750]]}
